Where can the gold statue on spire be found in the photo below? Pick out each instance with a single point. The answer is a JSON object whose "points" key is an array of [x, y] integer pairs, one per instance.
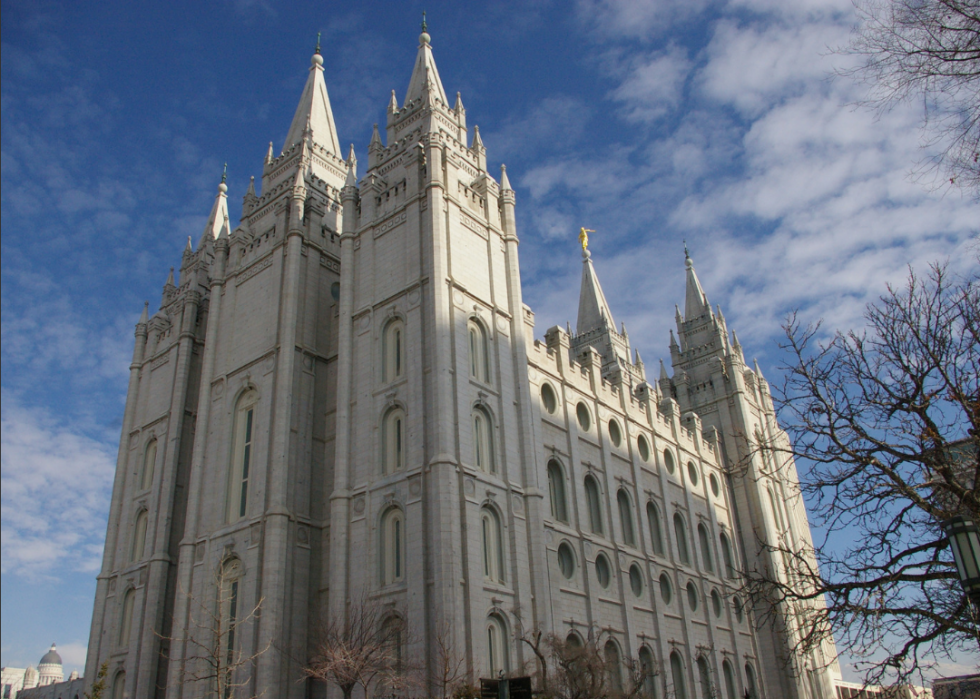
{"points": [[583, 238]]}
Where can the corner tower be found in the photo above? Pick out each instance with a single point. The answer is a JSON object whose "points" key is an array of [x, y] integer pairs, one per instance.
{"points": [[715, 388], [432, 434]]}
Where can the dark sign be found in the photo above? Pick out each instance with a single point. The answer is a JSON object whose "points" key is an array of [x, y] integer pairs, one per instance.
{"points": [[511, 688], [520, 687]]}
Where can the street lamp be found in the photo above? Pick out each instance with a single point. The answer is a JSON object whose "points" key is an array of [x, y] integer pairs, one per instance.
{"points": [[964, 539]]}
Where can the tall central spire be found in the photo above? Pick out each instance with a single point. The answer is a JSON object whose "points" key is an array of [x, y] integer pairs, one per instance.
{"points": [[695, 301], [314, 111], [593, 310], [425, 75]]}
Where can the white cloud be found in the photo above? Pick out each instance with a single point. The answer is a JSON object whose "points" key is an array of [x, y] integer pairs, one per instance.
{"points": [[54, 493], [635, 18], [653, 85]]}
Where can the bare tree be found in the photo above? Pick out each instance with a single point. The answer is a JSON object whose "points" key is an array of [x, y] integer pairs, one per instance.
{"points": [[213, 644], [885, 424], [450, 668], [579, 668], [927, 51], [363, 649]]}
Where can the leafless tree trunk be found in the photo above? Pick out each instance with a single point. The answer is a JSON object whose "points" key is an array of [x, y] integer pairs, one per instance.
{"points": [[927, 51], [212, 646], [451, 666], [364, 649], [885, 426]]}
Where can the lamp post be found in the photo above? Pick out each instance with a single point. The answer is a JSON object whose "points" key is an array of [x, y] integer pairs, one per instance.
{"points": [[964, 539]]}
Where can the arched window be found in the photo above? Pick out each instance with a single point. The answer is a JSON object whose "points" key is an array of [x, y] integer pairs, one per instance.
{"points": [[393, 351], [705, 543], [119, 686], [556, 491], [483, 440], [479, 357], [677, 675], [573, 640], [649, 673], [656, 532], [393, 441], [392, 546], [126, 617], [229, 603], [726, 670], [750, 690], [680, 535], [493, 552], [149, 462], [592, 500], [704, 677], [393, 641], [726, 553], [615, 669], [242, 457], [497, 658], [626, 517], [139, 537]]}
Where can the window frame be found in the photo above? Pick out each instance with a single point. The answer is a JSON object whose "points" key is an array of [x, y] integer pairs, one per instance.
{"points": [[393, 350], [478, 350], [593, 500], [242, 455], [392, 546], [393, 440], [556, 491]]}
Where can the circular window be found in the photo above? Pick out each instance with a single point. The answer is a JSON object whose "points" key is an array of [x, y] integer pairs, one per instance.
{"points": [[602, 570], [666, 591], [615, 435], [716, 602], [739, 612], [643, 446], [715, 487], [636, 580], [692, 472], [669, 461], [566, 560], [692, 596], [584, 419], [548, 398]]}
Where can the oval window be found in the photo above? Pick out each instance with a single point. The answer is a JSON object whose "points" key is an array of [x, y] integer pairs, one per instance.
{"points": [[566, 560], [692, 596], [548, 398], [716, 603], [643, 446], [636, 580], [666, 591], [692, 472], [715, 486], [669, 461], [739, 612], [602, 570], [615, 435], [335, 291], [584, 419]]}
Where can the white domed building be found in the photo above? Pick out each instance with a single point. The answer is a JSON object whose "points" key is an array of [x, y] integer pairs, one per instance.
{"points": [[49, 670]]}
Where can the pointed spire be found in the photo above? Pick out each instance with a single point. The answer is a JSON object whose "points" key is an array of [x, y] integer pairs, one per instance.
{"points": [[251, 187], [314, 117], [459, 108], [758, 371], [269, 157], [663, 372], [504, 180], [425, 76], [351, 179], [170, 279], [695, 302], [188, 247], [673, 340], [393, 104], [593, 310], [145, 315], [477, 141], [637, 360], [352, 160], [219, 210]]}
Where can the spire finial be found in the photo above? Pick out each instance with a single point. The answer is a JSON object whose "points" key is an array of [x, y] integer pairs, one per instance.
{"points": [[224, 174], [424, 36], [317, 49], [583, 238]]}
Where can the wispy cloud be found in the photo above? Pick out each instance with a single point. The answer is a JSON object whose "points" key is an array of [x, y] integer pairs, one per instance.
{"points": [[54, 495]]}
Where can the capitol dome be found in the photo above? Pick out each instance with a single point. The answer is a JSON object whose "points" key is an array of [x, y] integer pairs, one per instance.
{"points": [[49, 669]]}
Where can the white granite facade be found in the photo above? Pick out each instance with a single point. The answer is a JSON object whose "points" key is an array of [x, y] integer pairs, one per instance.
{"points": [[344, 399]]}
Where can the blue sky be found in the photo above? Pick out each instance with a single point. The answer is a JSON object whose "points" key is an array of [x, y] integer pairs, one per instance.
{"points": [[709, 121]]}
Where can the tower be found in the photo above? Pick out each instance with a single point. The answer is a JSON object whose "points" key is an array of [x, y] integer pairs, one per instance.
{"points": [[715, 388]]}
